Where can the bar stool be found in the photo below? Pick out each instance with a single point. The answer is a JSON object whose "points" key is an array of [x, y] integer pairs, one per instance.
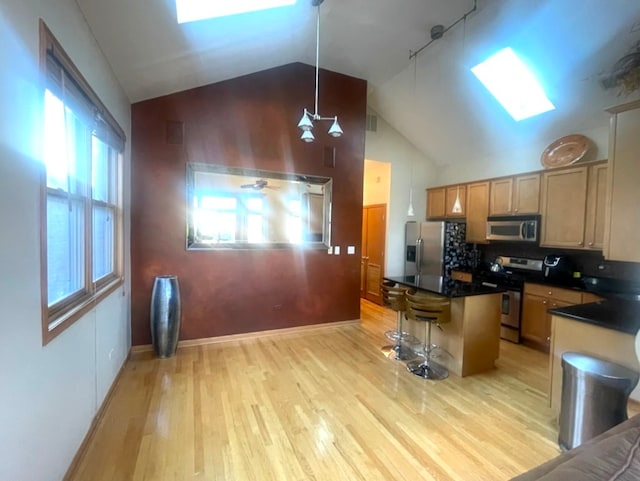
{"points": [[430, 310], [394, 297]]}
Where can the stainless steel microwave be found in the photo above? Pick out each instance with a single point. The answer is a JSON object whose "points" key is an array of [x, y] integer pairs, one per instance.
{"points": [[514, 228]]}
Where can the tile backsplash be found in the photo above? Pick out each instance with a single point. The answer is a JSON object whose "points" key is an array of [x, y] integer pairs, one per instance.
{"points": [[587, 262]]}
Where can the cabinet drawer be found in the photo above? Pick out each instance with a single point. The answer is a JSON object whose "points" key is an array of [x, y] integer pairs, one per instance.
{"points": [[461, 276], [557, 293]]}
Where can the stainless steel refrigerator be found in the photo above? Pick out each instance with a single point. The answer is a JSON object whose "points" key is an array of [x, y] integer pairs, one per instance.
{"points": [[434, 248]]}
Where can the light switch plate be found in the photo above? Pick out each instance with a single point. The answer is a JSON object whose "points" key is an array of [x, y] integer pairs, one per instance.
{"points": [[336, 250], [330, 250], [351, 250]]}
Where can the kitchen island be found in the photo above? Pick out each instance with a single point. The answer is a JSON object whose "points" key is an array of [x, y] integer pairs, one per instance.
{"points": [[472, 337]]}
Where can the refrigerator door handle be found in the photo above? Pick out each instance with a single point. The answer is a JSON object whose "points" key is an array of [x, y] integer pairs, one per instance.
{"points": [[418, 254]]}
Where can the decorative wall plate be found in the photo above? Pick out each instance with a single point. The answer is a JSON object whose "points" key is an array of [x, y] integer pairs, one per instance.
{"points": [[565, 151]]}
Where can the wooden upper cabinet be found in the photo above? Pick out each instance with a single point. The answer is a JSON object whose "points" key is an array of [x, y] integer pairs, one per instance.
{"points": [[622, 230], [596, 202], [501, 196], [477, 211], [440, 201], [453, 192], [436, 202], [564, 199], [515, 195], [526, 194]]}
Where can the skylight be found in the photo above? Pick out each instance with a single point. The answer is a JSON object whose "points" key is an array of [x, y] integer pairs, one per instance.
{"points": [[192, 10], [513, 85]]}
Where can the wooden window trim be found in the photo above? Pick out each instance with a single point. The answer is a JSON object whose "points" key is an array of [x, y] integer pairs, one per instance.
{"points": [[58, 317]]}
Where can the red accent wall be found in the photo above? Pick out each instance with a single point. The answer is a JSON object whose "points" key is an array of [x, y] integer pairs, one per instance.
{"points": [[250, 122]]}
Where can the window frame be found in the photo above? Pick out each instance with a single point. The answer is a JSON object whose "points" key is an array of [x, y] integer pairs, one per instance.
{"points": [[56, 318]]}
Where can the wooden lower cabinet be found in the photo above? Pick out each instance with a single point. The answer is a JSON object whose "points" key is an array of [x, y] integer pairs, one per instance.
{"points": [[535, 326]]}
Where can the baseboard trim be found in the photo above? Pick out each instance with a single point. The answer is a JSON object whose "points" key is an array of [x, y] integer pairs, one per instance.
{"points": [[251, 335], [75, 462]]}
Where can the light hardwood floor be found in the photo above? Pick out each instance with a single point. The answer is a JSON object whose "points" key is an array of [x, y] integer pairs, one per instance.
{"points": [[319, 405]]}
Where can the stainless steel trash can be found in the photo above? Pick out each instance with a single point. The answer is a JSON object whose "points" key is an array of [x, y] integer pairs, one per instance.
{"points": [[595, 393]]}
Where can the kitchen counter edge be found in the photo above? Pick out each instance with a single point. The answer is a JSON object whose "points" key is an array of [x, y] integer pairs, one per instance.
{"points": [[617, 314]]}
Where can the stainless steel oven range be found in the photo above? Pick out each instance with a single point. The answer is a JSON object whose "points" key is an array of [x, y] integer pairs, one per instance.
{"points": [[510, 273]]}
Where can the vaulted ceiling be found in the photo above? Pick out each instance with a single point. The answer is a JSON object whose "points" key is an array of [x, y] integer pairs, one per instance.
{"points": [[431, 99]]}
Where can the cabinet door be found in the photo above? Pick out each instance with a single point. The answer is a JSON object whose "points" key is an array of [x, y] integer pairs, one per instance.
{"points": [[477, 210], [526, 194], [501, 195], [536, 322], [564, 200], [596, 196], [436, 202], [622, 227], [453, 192]]}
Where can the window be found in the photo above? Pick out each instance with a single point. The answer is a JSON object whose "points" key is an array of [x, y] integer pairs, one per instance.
{"points": [[221, 218], [294, 221], [512, 83], [81, 202], [193, 10]]}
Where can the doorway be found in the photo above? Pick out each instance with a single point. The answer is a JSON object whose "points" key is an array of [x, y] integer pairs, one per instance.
{"points": [[374, 223]]}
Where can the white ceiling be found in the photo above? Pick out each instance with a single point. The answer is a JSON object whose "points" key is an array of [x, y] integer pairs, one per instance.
{"points": [[570, 43]]}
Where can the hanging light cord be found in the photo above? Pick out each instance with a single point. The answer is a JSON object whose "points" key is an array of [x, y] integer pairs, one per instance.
{"points": [[433, 39], [306, 122], [315, 112]]}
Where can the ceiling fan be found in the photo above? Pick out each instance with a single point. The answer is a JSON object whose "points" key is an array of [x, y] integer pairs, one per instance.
{"points": [[259, 184]]}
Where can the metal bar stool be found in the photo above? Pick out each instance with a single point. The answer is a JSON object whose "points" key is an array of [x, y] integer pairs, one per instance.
{"points": [[430, 310], [393, 297]]}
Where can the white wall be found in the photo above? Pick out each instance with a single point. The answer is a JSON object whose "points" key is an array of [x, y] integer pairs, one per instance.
{"points": [[377, 182], [410, 169], [525, 158], [49, 394]]}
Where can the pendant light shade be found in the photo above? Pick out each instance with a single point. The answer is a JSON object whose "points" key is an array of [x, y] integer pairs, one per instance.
{"points": [[305, 123], [335, 130], [307, 136], [410, 212], [308, 118], [457, 208]]}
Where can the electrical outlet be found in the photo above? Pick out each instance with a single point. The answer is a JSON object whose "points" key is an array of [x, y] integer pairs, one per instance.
{"points": [[351, 250], [330, 250], [336, 250]]}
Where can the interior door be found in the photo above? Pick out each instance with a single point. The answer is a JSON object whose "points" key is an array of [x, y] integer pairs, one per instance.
{"points": [[373, 247]]}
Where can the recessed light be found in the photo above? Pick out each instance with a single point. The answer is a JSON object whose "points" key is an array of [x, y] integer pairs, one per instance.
{"points": [[513, 85], [192, 10]]}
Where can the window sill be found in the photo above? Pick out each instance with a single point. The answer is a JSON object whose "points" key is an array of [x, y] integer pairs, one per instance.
{"points": [[62, 321]]}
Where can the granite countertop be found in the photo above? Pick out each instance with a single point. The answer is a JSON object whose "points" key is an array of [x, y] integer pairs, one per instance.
{"points": [[444, 286], [618, 314]]}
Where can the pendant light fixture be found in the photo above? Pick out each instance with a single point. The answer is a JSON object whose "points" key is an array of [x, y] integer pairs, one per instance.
{"points": [[457, 208], [306, 122], [410, 212]]}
